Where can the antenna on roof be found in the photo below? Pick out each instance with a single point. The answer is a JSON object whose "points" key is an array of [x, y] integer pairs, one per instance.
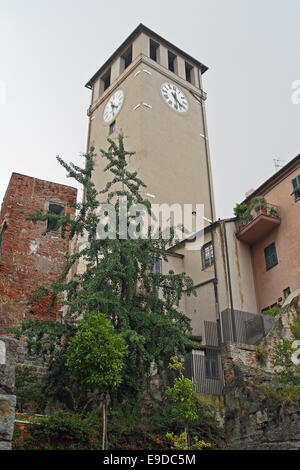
{"points": [[278, 163]]}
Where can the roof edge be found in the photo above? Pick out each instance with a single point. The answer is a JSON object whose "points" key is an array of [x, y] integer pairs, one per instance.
{"points": [[273, 178], [40, 179], [139, 29]]}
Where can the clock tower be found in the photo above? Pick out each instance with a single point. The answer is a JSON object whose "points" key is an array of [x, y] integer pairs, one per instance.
{"points": [[152, 91]]}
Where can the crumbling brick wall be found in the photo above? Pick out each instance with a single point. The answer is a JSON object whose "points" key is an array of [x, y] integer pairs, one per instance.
{"points": [[27, 258], [253, 419]]}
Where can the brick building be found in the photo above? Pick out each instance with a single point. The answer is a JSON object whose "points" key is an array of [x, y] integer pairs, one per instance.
{"points": [[27, 257]]}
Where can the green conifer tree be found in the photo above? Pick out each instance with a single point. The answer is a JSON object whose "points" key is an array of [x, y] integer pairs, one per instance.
{"points": [[118, 279]]}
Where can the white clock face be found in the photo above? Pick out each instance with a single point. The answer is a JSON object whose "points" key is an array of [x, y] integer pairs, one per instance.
{"points": [[113, 106], [174, 97]]}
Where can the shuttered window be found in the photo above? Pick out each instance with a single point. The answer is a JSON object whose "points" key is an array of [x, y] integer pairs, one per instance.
{"points": [[211, 364], [271, 256], [296, 188]]}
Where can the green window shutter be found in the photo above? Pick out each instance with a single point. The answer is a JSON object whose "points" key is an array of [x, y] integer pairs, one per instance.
{"points": [[296, 187], [271, 256]]}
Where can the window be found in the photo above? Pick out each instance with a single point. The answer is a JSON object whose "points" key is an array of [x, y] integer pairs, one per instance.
{"points": [[156, 267], [4, 228], [296, 188], [271, 256], [286, 292], [171, 61], [112, 127], [126, 58], [207, 255], [189, 73], [211, 364], [154, 50], [52, 223], [104, 81]]}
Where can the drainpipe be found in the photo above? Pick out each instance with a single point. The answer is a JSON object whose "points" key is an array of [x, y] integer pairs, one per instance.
{"points": [[230, 287], [210, 197]]}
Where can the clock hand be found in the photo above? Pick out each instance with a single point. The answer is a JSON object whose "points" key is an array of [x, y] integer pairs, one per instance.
{"points": [[175, 96], [113, 107], [176, 99]]}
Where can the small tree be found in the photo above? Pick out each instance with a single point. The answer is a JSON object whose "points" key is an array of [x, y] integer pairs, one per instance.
{"points": [[184, 408], [95, 355]]}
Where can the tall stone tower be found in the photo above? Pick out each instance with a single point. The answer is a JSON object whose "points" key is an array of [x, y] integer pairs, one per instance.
{"points": [[152, 91]]}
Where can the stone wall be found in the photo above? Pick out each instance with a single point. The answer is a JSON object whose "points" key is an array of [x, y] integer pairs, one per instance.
{"points": [[27, 257], [8, 352], [253, 418]]}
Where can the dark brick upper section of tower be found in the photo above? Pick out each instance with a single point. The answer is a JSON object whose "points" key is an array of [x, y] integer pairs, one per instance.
{"points": [[27, 257]]}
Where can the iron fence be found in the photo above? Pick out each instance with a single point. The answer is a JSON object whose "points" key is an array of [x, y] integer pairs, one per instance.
{"points": [[244, 327], [205, 369]]}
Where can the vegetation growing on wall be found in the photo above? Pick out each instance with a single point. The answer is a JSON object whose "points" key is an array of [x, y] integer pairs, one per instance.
{"points": [[285, 359], [131, 428]]}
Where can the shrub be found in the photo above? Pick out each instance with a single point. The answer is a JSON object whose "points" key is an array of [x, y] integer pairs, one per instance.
{"points": [[272, 312], [60, 431]]}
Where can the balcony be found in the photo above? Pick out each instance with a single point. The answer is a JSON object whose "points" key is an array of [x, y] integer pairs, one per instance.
{"points": [[258, 223]]}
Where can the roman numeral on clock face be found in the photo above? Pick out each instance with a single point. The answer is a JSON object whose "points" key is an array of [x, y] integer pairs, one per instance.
{"points": [[174, 97], [113, 105]]}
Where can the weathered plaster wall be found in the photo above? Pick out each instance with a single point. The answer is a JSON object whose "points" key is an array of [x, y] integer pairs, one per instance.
{"points": [[8, 351], [253, 419], [271, 283]]}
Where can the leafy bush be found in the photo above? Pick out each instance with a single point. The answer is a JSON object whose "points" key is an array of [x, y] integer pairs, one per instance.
{"points": [[281, 394], [272, 312], [240, 211], [60, 431], [130, 428], [179, 442], [28, 390]]}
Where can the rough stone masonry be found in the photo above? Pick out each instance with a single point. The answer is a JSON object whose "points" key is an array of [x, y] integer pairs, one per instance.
{"points": [[8, 351], [254, 420]]}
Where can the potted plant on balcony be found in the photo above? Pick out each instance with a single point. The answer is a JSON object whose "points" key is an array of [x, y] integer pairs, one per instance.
{"points": [[274, 212], [240, 211], [259, 204], [243, 213]]}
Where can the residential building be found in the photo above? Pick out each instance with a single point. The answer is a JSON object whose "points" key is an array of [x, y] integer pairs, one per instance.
{"points": [[272, 233]]}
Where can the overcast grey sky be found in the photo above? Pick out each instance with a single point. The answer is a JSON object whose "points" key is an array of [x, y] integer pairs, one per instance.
{"points": [[50, 48]]}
